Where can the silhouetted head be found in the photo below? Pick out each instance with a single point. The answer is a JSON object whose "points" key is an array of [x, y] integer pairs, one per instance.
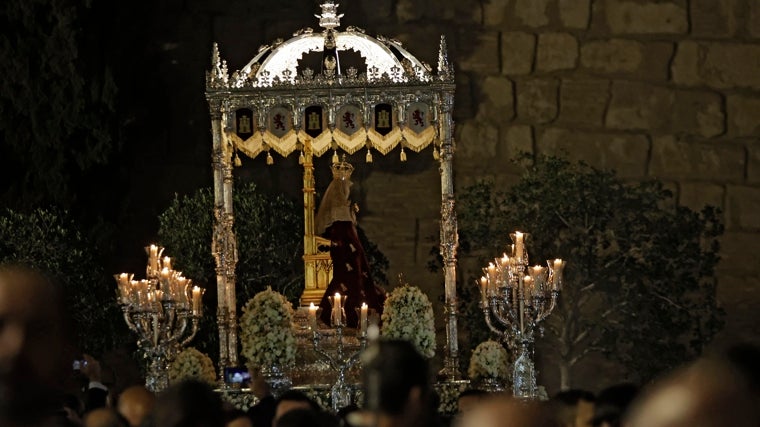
{"points": [[611, 404], [574, 407], [189, 404], [292, 400], [135, 404]]}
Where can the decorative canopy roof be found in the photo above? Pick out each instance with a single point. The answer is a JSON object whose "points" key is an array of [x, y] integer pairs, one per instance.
{"points": [[331, 56]]}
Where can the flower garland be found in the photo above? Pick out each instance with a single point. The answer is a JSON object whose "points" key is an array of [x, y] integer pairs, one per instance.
{"points": [[408, 315], [192, 364], [489, 360], [266, 331]]}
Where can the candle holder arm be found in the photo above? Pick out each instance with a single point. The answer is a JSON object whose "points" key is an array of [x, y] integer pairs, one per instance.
{"points": [[193, 331]]}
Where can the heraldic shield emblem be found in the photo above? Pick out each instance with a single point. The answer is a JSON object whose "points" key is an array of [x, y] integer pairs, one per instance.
{"points": [[279, 121], [244, 123], [383, 119], [349, 119], [313, 121]]}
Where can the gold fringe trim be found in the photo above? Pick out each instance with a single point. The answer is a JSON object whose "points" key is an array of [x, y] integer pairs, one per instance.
{"points": [[320, 144], [251, 147], [385, 144], [418, 141], [283, 145], [350, 143]]}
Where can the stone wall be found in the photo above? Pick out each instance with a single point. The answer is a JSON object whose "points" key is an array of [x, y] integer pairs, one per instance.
{"points": [[666, 89]]}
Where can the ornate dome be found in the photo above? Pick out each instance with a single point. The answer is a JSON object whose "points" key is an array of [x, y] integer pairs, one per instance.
{"points": [[331, 54]]}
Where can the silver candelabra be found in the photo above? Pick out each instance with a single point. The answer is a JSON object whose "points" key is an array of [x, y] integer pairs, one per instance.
{"points": [[163, 310], [340, 360], [519, 298]]}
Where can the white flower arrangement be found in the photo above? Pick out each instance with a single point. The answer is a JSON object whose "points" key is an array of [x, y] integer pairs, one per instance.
{"points": [[266, 331], [192, 364], [489, 360], [408, 315]]}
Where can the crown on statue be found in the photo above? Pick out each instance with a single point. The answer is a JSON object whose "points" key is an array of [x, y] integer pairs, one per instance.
{"points": [[342, 169]]}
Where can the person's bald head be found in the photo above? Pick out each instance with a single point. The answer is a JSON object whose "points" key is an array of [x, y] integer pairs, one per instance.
{"points": [[706, 394], [31, 339], [103, 417], [135, 404], [506, 411]]}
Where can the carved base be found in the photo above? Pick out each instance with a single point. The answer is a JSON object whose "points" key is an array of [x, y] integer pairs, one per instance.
{"points": [[311, 296]]}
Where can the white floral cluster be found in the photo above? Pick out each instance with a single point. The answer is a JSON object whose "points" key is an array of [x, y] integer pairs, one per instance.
{"points": [[190, 363], [408, 315], [266, 331], [489, 360]]}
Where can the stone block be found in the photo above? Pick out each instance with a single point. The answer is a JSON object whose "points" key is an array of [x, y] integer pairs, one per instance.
{"points": [[641, 106], [408, 10], [719, 65], [743, 115], [583, 101], [537, 100], [517, 52], [742, 208], [532, 13], [497, 99], [625, 153], [377, 9], [477, 141], [481, 54], [494, 12], [697, 195], [556, 51], [675, 159], [575, 14], [645, 60], [753, 160], [685, 67], [698, 113], [753, 20], [464, 107], [632, 17], [739, 296], [712, 19], [515, 139], [738, 253], [637, 106], [612, 56]]}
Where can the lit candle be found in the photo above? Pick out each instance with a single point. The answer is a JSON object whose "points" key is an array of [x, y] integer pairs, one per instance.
{"points": [[528, 289], [122, 280], [557, 272], [164, 276], [337, 315], [537, 274], [519, 245], [196, 300], [484, 288], [313, 316], [491, 270], [167, 263], [153, 257], [504, 261], [363, 318], [181, 290]]}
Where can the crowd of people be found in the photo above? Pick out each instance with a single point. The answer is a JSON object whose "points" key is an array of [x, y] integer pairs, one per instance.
{"points": [[722, 390]]}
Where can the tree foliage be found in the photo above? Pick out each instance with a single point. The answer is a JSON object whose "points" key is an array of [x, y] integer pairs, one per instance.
{"points": [[54, 102], [639, 284], [50, 242]]}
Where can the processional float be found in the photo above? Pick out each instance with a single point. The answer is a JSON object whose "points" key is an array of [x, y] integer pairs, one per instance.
{"points": [[321, 92]]}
